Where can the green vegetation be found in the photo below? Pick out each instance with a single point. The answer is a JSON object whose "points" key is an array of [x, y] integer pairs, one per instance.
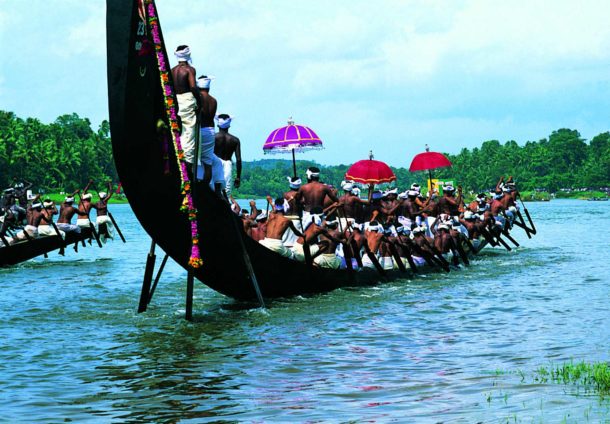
{"points": [[592, 377], [63, 155], [60, 156]]}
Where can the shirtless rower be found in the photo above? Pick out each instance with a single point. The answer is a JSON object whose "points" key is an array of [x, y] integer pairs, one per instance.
{"points": [[102, 215], [329, 240], [84, 207], [66, 212], [34, 214], [290, 196], [226, 145], [259, 230], [277, 224], [313, 194], [313, 228], [183, 75], [46, 227], [350, 205], [207, 143]]}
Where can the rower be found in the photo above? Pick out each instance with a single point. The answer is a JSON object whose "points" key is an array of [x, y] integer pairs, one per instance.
{"points": [[84, 207], [45, 226], [102, 218], [276, 227], [34, 214], [66, 212], [290, 205], [313, 228], [350, 204], [385, 253], [259, 230], [313, 194], [329, 240], [373, 234], [423, 246]]}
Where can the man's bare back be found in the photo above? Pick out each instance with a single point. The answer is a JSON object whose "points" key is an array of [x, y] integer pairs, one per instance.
{"points": [[184, 77], [312, 195], [208, 109]]}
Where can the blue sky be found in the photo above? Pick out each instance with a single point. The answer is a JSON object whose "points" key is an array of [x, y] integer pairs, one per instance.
{"points": [[389, 76]]}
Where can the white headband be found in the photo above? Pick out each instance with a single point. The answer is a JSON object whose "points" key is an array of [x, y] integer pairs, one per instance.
{"points": [[204, 82], [183, 55], [388, 192], [310, 174], [224, 122], [102, 194], [86, 196], [47, 204], [294, 184], [69, 199]]}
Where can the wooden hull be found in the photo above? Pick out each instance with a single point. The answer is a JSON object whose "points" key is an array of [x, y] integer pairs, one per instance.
{"points": [[135, 106], [27, 250]]}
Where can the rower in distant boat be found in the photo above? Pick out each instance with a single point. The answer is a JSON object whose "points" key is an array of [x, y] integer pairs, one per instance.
{"points": [[373, 235], [183, 75], [66, 212], [226, 145], [276, 227], [313, 194], [102, 219], [34, 216]]}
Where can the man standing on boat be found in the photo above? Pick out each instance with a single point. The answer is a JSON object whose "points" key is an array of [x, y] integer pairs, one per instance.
{"points": [[313, 194], [225, 146], [207, 141], [183, 75]]}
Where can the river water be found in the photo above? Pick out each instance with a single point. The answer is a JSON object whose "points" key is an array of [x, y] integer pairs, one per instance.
{"points": [[462, 347]]}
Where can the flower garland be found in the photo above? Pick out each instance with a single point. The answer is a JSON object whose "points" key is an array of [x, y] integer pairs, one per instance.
{"points": [[188, 207]]}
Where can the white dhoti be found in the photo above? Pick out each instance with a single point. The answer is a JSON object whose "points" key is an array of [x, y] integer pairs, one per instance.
{"points": [[207, 138], [30, 230], [276, 246], [83, 222], [227, 168], [367, 262], [48, 230], [68, 228], [289, 238], [105, 219], [387, 262], [328, 260], [406, 222], [187, 110], [418, 261], [299, 253], [429, 224]]}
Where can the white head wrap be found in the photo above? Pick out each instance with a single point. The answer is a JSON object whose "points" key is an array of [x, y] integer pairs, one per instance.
{"points": [[223, 123], [373, 227], [310, 173], [402, 195], [47, 204], [347, 186], [448, 187], [102, 194], [261, 216], [69, 199], [183, 55], [468, 215], [413, 193], [37, 205], [204, 82], [356, 191], [294, 184], [415, 187], [87, 196], [388, 192]]}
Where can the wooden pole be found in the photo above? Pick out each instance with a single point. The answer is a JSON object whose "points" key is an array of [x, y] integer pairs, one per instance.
{"points": [[190, 286], [294, 165], [158, 277], [148, 272]]}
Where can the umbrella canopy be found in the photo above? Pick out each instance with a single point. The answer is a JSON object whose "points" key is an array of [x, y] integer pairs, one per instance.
{"points": [[429, 160], [370, 171], [292, 138]]}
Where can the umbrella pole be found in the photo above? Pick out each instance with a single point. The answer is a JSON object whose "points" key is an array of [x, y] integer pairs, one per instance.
{"points": [[294, 165], [430, 178]]}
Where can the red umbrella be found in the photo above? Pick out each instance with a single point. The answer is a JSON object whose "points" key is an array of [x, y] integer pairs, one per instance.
{"points": [[369, 171], [429, 160]]}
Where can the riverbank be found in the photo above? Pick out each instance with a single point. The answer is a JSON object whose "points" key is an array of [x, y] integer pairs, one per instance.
{"points": [[116, 199]]}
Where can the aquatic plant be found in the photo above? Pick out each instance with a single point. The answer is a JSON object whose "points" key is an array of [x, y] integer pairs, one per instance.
{"points": [[592, 377]]}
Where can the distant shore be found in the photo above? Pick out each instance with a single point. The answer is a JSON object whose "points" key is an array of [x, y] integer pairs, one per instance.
{"points": [[59, 198]]}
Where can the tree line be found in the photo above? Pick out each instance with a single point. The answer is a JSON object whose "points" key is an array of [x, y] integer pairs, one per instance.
{"points": [[64, 154], [60, 156]]}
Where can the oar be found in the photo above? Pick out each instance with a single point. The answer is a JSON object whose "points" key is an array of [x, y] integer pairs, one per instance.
{"points": [[412, 264], [529, 218], [521, 224], [509, 237], [118, 230], [460, 250], [374, 259], [396, 256], [6, 244], [62, 244]]}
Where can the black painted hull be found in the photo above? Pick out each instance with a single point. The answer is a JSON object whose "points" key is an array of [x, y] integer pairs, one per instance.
{"points": [[27, 250]]}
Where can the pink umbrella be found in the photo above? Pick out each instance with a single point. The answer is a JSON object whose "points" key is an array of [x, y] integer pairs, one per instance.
{"points": [[429, 160], [370, 171], [292, 138]]}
